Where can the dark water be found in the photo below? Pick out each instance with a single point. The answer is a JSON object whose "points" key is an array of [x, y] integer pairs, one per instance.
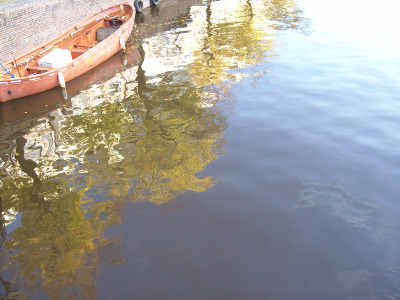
{"points": [[253, 153]]}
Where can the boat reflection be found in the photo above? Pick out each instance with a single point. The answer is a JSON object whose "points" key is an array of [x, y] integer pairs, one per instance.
{"points": [[24, 109]]}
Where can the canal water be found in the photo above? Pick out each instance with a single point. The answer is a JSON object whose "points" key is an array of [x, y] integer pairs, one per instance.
{"points": [[241, 149]]}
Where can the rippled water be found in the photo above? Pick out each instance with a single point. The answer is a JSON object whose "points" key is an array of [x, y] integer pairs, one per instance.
{"points": [[253, 153]]}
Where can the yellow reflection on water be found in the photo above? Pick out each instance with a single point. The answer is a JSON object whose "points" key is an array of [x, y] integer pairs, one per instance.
{"points": [[146, 134], [233, 35]]}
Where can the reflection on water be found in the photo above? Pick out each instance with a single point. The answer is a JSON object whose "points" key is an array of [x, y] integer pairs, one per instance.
{"points": [[190, 113], [2, 223], [145, 134], [341, 201], [116, 145]]}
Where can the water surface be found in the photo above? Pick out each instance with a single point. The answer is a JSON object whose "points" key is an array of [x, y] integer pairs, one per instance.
{"points": [[252, 153]]}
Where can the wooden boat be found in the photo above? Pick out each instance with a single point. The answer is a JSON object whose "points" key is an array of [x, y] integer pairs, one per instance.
{"points": [[68, 56]]}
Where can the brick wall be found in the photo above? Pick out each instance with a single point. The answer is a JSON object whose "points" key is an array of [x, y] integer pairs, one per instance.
{"points": [[28, 24]]}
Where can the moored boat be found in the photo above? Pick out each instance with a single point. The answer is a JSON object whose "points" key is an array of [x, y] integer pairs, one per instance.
{"points": [[78, 50], [27, 109]]}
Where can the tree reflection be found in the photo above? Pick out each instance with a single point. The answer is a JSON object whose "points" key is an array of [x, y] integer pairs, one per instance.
{"points": [[56, 247], [26, 165], [235, 37], [156, 141], [151, 146], [241, 33], [285, 14], [175, 141]]}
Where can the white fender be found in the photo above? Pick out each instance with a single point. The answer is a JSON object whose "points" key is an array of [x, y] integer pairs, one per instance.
{"points": [[122, 43], [61, 79]]}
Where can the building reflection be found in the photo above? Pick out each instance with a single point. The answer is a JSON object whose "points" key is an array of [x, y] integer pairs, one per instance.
{"points": [[141, 132]]}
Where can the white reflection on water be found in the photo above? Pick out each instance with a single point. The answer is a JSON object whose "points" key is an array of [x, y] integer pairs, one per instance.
{"points": [[382, 228], [359, 18], [342, 203]]}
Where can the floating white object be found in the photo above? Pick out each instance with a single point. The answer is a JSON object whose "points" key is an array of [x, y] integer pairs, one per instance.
{"points": [[57, 58]]}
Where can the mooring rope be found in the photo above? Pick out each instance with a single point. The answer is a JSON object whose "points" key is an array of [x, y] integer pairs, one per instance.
{"points": [[12, 75]]}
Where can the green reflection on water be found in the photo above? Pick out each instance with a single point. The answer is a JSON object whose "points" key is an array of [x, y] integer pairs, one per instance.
{"points": [[160, 138], [137, 140], [148, 147]]}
